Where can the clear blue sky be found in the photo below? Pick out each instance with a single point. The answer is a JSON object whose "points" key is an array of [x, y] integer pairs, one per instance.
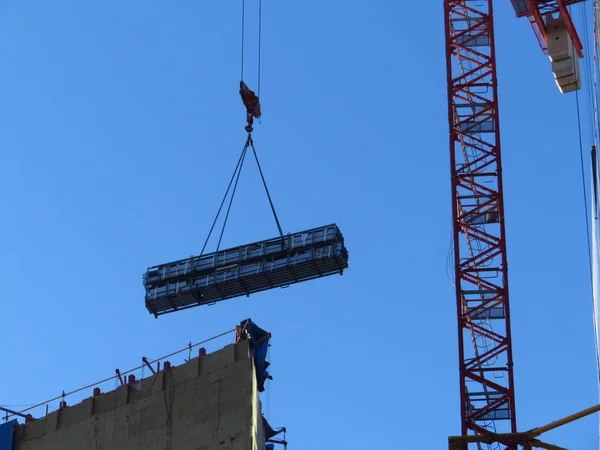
{"points": [[121, 123]]}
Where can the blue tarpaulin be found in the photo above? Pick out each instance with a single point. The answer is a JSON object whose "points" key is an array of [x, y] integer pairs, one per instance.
{"points": [[260, 344], [7, 435]]}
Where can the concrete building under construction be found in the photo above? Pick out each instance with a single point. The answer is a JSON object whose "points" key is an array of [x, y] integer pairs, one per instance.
{"points": [[209, 402], [212, 400]]}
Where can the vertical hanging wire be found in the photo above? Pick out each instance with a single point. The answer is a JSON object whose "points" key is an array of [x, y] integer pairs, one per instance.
{"points": [[581, 151], [596, 70], [594, 91], [259, 43], [243, 26], [595, 243], [583, 182]]}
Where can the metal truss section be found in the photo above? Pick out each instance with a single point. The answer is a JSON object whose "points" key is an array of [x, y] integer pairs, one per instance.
{"points": [[538, 11], [485, 350]]}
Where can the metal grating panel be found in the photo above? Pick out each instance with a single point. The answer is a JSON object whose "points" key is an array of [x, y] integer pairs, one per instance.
{"points": [[245, 270]]}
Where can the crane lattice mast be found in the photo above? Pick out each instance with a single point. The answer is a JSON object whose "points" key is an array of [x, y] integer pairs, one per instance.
{"points": [[480, 264]]}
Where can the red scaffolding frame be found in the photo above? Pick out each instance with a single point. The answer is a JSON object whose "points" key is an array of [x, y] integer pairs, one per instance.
{"points": [[480, 262]]}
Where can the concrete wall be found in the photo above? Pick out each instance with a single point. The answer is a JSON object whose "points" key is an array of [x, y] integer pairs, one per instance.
{"points": [[208, 403]]}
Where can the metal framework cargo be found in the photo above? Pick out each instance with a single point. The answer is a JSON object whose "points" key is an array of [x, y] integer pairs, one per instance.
{"points": [[244, 270]]}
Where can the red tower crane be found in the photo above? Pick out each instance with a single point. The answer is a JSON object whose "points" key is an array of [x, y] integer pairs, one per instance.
{"points": [[487, 396]]}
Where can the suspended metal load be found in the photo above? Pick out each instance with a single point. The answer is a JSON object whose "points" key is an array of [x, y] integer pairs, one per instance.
{"points": [[244, 270]]}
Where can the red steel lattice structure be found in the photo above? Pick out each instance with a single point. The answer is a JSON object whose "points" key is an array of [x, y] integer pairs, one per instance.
{"points": [[537, 10], [480, 264]]}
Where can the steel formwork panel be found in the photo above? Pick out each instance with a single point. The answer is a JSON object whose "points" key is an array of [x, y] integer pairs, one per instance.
{"points": [[245, 270]]}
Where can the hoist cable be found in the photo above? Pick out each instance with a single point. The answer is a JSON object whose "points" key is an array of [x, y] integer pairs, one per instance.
{"points": [[585, 202], [589, 71], [232, 196], [594, 186], [237, 167], [243, 25], [259, 43], [265, 185]]}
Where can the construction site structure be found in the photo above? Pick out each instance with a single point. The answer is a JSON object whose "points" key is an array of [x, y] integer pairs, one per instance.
{"points": [[210, 402]]}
